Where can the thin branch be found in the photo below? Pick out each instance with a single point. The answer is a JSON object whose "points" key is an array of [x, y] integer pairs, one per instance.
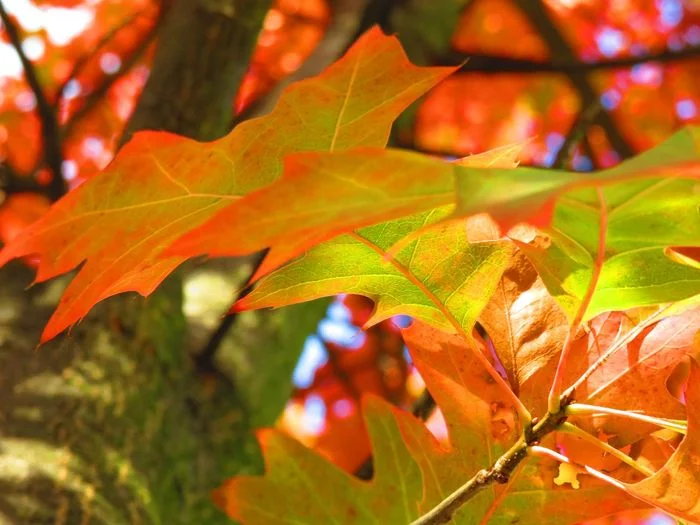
{"points": [[588, 151], [204, 359], [82, 61], [50, 135], [581, 409], [500, 472], [96, 95], [605, 447], [13, 182], [492, 64], [578, 130], [555, 392], [537, 14], [443, 512]]}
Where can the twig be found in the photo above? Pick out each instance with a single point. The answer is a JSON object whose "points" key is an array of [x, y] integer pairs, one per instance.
{"points": [[499, 472], [578, 130], [581, 409], [12, 182], [588, 151], [50, 135], [537, 14], [204, 359], [556, 390], [493, 64]]}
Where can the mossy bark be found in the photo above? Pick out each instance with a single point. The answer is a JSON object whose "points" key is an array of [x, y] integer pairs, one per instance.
{"points": [[111, 424]]}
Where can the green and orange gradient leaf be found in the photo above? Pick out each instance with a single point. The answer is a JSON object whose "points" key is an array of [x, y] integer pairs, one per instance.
{"points": [[160, 186], [414, 470]]}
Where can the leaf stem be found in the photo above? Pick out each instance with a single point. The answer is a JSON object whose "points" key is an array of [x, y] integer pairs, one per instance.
{"points": [[554, 400], [581, 409], [545, 452], [576, 431], [499, 472]]}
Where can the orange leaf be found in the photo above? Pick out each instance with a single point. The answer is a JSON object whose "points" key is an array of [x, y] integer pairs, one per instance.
{"points": [[675, 488], [160, 186]]}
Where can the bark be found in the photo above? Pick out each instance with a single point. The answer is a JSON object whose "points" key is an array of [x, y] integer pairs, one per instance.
{"points": [[203, 54], [111, 424]]}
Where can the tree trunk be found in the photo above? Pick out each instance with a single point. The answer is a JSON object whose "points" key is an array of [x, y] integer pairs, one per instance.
{"points": [[111, 424]]}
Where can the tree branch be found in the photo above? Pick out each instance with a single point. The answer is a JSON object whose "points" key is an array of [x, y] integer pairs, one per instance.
{"points": [[12, 182], [537, 14], [82, 61], [499, 472], [491, 64], [50, 135], [96, 95], [204, 359], [578, 130]]}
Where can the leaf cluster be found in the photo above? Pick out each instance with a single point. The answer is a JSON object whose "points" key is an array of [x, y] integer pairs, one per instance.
{"points": [[586, 287]]}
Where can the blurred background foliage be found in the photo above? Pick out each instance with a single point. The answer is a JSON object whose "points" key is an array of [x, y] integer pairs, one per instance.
{"points": [[585, 82]]}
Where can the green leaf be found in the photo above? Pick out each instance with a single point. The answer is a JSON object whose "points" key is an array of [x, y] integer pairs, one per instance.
{"points": [[301, 487], [644, 219], [441, 278]]}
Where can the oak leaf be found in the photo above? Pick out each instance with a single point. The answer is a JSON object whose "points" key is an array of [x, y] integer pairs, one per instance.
{"points": [[675, 487], [160, 185]]}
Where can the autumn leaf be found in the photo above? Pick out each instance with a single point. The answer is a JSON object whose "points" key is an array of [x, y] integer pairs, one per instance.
{"points": [[443, 278], [634, 376], [480, 422], [367, 186], [160, 185], [526, 327], [413, 470], [374, 185], [675, 488], [302, 487]]}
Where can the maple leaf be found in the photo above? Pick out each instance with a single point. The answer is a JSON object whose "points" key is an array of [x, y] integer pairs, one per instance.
{"points": [[473, 408], [637, 351], [341, 192], [160, 185], [445, 279], [675, 488]]}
